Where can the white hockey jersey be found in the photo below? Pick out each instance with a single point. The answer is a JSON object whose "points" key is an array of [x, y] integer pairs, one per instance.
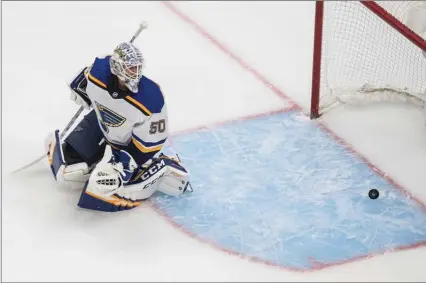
{"points": [[136, 123]]}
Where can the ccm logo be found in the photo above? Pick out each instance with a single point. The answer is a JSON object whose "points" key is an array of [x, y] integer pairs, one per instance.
{"points": [[152, 170], [152, 182]]}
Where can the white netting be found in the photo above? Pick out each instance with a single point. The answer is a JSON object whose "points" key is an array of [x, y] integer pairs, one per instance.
{"points": [[365, 59]]}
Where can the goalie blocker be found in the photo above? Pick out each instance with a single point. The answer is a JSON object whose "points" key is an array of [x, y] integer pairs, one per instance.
{"points": [[109, 185]]}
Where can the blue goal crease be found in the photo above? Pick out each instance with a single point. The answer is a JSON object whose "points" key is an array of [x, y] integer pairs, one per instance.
{"points": [[280, 189]]}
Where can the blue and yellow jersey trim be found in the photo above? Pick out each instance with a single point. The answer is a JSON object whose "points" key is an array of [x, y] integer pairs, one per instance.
{"points": [[146, 147], [138, 105], [149, 98], [96, 81], [99, 72]]}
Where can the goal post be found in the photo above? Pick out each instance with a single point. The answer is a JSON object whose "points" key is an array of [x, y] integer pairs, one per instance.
{"points": [[364, 52]]}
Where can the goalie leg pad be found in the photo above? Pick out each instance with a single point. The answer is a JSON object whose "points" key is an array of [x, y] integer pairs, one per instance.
{"points": [[102, 189], [106, 191], [113, 203], [55, 155], [175, 180], [164, 174], [101, 192], [75, 175]]}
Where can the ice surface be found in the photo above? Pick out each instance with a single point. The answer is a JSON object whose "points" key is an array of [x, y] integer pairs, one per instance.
{"points": [[44, 235], [281, 189]]}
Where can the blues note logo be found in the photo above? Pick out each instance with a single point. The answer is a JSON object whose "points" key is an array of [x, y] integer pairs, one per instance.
{"points": [[109, 118]]}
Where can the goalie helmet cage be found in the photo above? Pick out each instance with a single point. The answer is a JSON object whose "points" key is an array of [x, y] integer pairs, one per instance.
{"points": [[363, 48]]}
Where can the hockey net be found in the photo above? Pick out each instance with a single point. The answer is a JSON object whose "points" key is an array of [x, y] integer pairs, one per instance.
{"points": [[365, 52]]}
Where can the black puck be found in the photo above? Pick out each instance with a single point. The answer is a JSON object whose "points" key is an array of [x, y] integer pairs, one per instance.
{"points": [[373, 194]]}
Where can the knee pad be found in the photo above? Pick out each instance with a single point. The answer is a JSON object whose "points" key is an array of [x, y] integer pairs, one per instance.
{"points": [[74, 175]]}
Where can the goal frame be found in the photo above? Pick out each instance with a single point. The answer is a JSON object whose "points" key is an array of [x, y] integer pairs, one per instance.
{"points": [[317, 48]]}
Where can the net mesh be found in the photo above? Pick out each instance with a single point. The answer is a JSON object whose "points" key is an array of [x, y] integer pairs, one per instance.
{"points": [[363, 56]]}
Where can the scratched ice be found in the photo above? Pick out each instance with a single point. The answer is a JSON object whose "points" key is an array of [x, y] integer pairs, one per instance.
{"points": [[279, 188]]}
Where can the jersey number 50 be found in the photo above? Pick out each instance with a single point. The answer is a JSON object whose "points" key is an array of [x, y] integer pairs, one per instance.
{"points": [[159, 126]]}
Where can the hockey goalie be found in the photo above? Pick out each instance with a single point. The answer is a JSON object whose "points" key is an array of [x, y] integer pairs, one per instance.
{"points": [[113, 154]]}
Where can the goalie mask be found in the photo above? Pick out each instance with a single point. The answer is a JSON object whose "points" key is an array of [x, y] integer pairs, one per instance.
{"points": [[126, 63]]}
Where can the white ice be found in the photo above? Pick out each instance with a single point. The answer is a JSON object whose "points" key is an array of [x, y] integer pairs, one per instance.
{"points": [[46, 238]]}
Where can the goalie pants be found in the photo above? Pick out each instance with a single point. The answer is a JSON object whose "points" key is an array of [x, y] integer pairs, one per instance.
{"points": [[84, 143]]}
